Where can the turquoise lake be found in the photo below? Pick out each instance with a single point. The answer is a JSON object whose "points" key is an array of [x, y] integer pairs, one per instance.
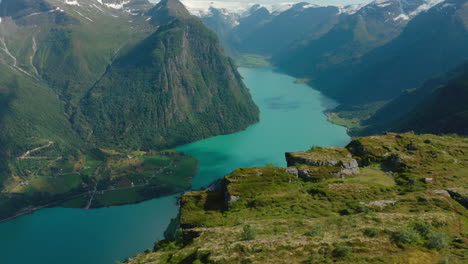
{"points": [[291, 119]]}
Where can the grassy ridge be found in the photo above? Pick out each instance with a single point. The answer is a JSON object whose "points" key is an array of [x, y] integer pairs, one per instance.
{"points": [[388, 213]]}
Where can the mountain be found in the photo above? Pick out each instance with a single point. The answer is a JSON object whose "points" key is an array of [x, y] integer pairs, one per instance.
{"points": [[174, 87], [438, 106], [374, 77], [267, 29], [396, 198], [441, 31], [91, 91], [272, 34], [221, 22], [351, 43], [444, 111]]}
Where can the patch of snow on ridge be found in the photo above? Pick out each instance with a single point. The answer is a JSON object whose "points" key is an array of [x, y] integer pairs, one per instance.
{"points": [[72, 2], [448, 5], [309, 6], [203, 8], [402, 17], [97, 7], [382, 3], [57, 9], [279, 8], [350, 9], [117, 6], [84, 16], [426, 6]]}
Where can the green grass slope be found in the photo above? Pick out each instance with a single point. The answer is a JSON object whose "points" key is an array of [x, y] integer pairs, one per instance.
{"points": [[395, 209]]}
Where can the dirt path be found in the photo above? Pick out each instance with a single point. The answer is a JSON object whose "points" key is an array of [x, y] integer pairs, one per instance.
{"points": [[29, 152], [15, 61], [31, 58], [92, 197]]}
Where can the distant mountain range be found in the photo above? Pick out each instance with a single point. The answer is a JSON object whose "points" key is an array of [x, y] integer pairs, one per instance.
{"points": [[364, 56]]}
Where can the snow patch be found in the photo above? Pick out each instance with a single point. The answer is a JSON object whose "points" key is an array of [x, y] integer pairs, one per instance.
{"points": [[84, 16], [98, 8], [57, 9], [72, 2], [203, 8], [33, 14], [448, 5], [350, 9], [402, 17], [426, 6], [117, 6], [280, 8], [309, 6]]}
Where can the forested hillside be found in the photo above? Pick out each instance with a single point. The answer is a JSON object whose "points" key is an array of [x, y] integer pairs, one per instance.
{"points": [[86, 83]]}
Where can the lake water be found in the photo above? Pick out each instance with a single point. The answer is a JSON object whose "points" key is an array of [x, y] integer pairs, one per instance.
{"points": [[292, 119]]}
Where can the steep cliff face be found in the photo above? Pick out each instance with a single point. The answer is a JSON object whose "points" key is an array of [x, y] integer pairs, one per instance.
{"points": [[174, 87]]}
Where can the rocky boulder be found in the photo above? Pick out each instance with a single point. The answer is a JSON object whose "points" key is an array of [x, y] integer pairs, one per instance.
{"points": [[323, 162]]}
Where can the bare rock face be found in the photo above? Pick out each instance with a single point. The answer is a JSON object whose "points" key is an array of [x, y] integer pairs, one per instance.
{"points": [[231, 198], [459, 195], [320, 162], [293, 171], [381, 204]]}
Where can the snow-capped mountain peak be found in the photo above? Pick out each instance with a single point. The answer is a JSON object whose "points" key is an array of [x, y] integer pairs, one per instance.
{"points": [[395, 11]]}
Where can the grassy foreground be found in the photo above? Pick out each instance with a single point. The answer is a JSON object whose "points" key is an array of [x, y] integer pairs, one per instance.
{"points": [[403, 204]]}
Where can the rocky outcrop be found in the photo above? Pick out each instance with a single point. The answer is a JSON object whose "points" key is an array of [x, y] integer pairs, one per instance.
{"points": [[381, 204], [321, 162], [459, 195]]}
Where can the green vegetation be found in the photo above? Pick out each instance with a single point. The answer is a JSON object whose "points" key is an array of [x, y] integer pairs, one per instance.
{"points": [[437, 241], [405, 236], [137, 176], [87, 97], [342, 251], [384, 214], [315, 231], [248, 233], [252, 61], [348, 123], [119, 178], [371, 232]]}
